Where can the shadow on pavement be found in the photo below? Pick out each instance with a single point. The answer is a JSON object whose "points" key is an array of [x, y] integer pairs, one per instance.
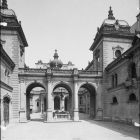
{"points": [[124, 129]]}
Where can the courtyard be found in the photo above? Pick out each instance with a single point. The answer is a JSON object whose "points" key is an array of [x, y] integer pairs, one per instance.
{"points": [[85, 129]]}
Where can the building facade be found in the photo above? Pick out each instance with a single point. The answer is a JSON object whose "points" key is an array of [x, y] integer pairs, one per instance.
{"points": [[116, 51], [107, 89], [14, 46]]}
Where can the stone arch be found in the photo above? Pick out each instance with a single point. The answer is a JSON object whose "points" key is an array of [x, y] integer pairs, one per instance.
{"points": [[34, 84], [92, 88], [63, 84], [68, 87], [29, 88]]}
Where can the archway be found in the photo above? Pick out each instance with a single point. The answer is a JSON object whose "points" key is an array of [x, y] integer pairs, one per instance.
{"points": [[35, 101], [6, 101], [62, 94], [87, 101]]}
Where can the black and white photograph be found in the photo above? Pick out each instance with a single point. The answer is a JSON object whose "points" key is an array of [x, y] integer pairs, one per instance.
{"points": [[69, 69]]}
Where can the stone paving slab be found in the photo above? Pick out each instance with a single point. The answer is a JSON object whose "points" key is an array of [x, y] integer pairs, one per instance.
{"points": [[84, 130]]}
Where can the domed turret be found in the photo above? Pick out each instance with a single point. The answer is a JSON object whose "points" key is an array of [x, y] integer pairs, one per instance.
{"points": [[112, 21], [56, 63]]}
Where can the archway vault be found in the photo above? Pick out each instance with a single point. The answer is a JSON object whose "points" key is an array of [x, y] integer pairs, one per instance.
{"points": [[32, 85], [63, 84]]}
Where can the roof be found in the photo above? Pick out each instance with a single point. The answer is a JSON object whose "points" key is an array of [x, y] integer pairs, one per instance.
{"points": [[8, 16], [113, 28]]}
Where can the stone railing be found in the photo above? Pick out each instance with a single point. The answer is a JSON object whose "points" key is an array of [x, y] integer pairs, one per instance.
{"points": [[90, 72], [31, 70], [60, 71]]}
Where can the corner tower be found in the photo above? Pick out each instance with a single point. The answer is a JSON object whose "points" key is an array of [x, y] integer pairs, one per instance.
{"points": [[111, 40], [14, 44]]}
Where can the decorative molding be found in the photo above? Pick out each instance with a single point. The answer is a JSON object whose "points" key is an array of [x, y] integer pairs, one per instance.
{"points": [[5, 86]]}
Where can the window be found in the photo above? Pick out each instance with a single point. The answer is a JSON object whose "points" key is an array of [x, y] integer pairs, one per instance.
{"points": [[114, 80], [132, 70], [114, 100], [97, 56], [117, 53], [132, 98]]}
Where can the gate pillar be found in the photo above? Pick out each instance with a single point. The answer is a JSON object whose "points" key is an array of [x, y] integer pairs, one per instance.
{"points": [[49, 101], [23, 108]]}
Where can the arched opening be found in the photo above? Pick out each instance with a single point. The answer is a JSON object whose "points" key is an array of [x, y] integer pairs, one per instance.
{"points": [[56, 103], [132, 98], [114, 100], [6, 101], [62, 101], [87, 101], [35, 101], [117, 53]]}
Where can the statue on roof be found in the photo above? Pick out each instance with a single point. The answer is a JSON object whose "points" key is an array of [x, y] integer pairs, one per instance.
{"points": [[4, 4], [110, 14]]}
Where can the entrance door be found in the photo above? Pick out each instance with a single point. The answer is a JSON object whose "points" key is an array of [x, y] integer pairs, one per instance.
{"points": [[6, 110]]}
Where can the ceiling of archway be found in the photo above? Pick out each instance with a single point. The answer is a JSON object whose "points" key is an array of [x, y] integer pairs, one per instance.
{"points": [[32, 86]]}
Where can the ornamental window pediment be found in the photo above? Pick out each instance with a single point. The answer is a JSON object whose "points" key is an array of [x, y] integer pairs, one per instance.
{"points": [[117, 51]]}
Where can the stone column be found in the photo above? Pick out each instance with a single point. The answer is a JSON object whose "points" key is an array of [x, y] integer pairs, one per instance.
{"points": [[75, 96], [76, 108]]}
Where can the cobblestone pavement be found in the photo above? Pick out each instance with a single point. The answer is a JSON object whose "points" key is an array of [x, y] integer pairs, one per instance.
{"points": [[83, 130]]}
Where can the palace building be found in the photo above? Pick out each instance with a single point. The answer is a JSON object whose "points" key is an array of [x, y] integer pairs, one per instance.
{"points": [[116, 52], [107, 89]]}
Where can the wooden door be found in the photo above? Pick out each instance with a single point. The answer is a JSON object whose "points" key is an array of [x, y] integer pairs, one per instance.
{"points": [[6, 111]]}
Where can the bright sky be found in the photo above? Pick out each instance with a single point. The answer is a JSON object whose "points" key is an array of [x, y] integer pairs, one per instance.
{"points": [[66, 25]]}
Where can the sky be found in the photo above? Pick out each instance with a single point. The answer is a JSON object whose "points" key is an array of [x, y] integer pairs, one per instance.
{"points": [[66, 25]]}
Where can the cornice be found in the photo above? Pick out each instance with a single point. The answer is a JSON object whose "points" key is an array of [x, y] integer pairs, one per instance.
{"points": [[110, 31], [5, 86]]}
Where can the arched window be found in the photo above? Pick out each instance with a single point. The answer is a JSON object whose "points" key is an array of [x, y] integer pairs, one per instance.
{"points": [[132, 97], [116, 80], [113, 81], [132, 70], [117, 53], [114, 100], [6, 101]]}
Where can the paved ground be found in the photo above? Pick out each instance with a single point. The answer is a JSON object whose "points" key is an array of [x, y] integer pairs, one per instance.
{"points": [[84, 130]]}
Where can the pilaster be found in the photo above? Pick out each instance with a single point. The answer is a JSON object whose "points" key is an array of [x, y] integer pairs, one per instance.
{"points": [[49, 98], [75, 96]]}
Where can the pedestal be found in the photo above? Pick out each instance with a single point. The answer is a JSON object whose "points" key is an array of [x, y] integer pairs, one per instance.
{"points": [[49, 116], [22, 116], [99, 114], [76, 115]]}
